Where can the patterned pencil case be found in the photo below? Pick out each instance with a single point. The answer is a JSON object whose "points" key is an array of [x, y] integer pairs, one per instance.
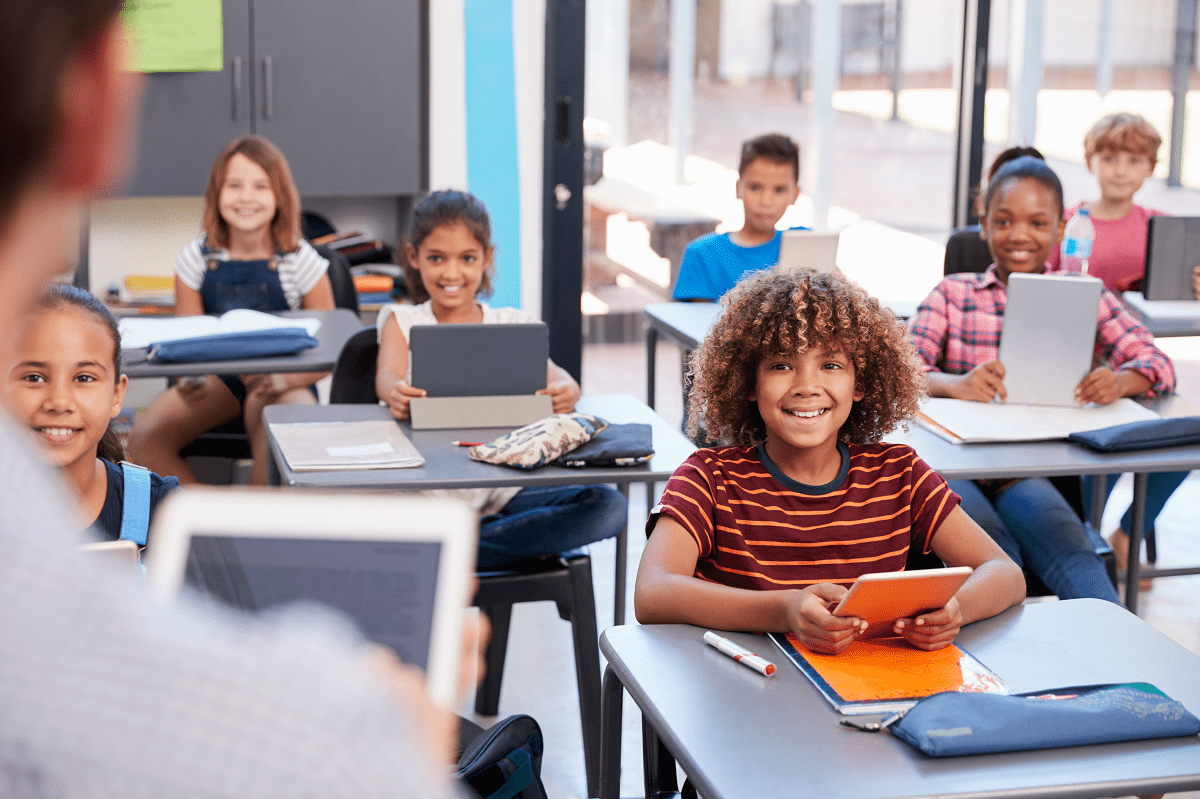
{"points": [[540, 442], [950, 724], [230, 346]]}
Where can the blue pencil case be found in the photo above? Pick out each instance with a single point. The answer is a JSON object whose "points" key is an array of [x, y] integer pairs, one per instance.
{"points": [[950, 724], [230, 346], [1149, 434]]}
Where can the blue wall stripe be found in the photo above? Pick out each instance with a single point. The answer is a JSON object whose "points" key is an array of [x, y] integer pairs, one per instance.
{"points": [[491, 101]]}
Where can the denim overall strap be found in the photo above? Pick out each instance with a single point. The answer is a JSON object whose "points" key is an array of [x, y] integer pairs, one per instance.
{"points": [[135, 512], [230, 284]]}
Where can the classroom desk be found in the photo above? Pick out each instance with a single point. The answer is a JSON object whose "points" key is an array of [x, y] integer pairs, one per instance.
{"points": [[739, 734], [337, 326], [1052, 458], [1163, 326], [447, 466]]}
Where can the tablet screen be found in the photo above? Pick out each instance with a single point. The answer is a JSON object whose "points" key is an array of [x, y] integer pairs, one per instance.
{"points": [[388, 587]]}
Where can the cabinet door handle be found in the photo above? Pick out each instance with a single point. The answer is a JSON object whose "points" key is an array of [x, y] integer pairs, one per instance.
{"points": [[237, 86], [268, 88]]}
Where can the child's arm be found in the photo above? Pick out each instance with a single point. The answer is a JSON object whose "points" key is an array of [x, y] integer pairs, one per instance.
{"points": [[319, 297], [187, 300], [667, 592], [980, 384], [996, 584], [561, 387], [1132, 364], [391, 370]]}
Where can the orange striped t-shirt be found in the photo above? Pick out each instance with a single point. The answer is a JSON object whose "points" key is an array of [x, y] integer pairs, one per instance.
{"points": [[757, 528]]}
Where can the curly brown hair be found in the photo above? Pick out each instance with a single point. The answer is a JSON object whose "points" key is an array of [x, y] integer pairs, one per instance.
{"points": [[774, 311]]}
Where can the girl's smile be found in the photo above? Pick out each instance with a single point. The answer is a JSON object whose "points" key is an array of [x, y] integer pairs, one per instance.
{"points": [[65, 385], [1022, 225], [452, 263]]}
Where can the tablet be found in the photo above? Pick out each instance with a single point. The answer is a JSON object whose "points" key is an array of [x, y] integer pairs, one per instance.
{"points": [[478, 360], [1049, 336], [1172, 249], [881, 598], [399, 566], [808, 250]]}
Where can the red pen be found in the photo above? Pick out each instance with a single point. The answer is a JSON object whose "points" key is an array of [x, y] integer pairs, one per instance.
{"points": [[466, 443]]}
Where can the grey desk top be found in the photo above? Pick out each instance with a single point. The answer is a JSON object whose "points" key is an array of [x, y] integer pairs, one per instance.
{"points": [[447, 466], [337, 326], [1161, 326], [739, 734]]}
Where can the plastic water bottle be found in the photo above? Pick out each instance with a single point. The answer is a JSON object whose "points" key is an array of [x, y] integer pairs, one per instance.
{"points": [[1078, 238]]}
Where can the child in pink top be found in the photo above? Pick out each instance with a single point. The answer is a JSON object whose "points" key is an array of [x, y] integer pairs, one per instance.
{"points": [[1121, 151]]}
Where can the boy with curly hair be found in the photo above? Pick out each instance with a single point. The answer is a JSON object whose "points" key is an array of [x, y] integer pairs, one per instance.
{"points": [[800, 377]]}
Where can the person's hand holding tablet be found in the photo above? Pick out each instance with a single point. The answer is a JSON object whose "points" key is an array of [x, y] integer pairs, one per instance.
{"points": [[918, 605]]}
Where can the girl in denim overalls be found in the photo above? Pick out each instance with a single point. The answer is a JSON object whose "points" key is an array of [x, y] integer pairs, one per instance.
{"points": [[249, 256]]}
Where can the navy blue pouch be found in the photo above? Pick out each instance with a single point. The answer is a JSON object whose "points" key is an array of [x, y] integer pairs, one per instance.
{"points": [[615, 445], [949, 724], [230, 346], [1150, 434]]}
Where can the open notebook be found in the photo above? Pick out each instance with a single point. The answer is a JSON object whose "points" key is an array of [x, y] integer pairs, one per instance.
{"points": [[964, 422]]}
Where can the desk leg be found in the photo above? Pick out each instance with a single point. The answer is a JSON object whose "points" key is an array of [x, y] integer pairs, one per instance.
{"points": [[611, 696], [273, 477], [1137, 524], [622, 551], [651, 355], [658, 767]]}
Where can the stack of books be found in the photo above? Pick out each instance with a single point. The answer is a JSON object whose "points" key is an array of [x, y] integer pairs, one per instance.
{"points": [[147, 290]]}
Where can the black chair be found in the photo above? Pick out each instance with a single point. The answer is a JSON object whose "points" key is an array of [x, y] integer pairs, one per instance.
{"points": [[229, 441], [966, 251], [565, 579]]}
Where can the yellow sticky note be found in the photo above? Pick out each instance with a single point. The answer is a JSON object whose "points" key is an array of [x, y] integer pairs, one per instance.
{"points": [[174, 35]]}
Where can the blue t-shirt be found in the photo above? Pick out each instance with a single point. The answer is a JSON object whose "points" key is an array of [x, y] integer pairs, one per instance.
{"points": [[712, 264]]}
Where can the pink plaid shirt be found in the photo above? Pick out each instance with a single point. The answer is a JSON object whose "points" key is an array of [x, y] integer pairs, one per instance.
{"points": [[957, 327]]}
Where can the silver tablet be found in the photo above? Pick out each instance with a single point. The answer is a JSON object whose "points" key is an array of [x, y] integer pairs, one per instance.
{"points": [[1048, 337], [399, 566], [809, 250]]}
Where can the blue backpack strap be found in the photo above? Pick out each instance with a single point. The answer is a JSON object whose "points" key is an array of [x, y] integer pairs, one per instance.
{"points": [[135, 513]]}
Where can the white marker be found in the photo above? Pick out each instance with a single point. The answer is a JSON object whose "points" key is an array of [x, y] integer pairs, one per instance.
{"points": [[740, 654]]}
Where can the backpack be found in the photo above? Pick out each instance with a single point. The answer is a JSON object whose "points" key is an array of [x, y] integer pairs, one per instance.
{"points": [[504, 761]]}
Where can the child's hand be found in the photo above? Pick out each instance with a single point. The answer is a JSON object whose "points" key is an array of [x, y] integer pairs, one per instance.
{"points": [[267, 386], [818, 629], [563, 393], [981, 383], [1101, 386], [934, 630], [398, 398]]}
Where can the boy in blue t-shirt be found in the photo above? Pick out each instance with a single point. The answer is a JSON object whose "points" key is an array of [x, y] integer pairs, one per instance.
{"points": [[768, 182]]}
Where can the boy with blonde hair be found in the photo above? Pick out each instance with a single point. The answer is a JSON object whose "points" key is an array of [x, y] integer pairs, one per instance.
{"points": [[1121, 151]]}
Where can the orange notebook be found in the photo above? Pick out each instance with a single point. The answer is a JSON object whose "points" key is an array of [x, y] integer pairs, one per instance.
{"points": [[886, 675]]}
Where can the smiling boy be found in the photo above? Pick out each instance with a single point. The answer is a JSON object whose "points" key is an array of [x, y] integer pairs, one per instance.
{"points": [[800, 377], [1121, 150], [768, 182]]}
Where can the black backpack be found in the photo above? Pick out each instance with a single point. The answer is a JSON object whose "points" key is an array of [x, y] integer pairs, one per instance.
{"points": [[504, 761]]}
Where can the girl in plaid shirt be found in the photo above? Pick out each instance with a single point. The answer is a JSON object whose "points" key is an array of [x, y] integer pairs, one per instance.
{"points": [[956, 332]]}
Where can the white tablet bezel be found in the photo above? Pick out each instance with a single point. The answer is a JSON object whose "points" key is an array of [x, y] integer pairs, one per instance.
{"points": [[317, 515], [808, 249], [880, 598]]}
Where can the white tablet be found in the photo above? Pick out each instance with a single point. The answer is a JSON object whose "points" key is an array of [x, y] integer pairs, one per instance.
{"points": [[399, 566], [881, 598], [809, 250], [1049, 336]]}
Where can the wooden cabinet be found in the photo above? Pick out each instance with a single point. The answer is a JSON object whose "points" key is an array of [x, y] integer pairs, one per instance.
{"points": [[338, 86]]}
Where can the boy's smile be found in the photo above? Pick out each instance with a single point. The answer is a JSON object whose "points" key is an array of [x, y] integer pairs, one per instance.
{"points": [[804, 399], [1120, 174], [766, 189]]}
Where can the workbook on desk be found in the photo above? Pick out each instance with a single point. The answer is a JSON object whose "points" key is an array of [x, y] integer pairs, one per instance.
{"points": [[138, 332], [966, 422], [321, 446], [887, 675]]}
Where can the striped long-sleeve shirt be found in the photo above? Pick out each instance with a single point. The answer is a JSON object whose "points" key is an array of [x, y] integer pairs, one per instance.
{"points": [[957, 327], [757, 528]]}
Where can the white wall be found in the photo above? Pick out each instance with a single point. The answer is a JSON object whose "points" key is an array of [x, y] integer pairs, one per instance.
{"points": [[139, 235]]}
